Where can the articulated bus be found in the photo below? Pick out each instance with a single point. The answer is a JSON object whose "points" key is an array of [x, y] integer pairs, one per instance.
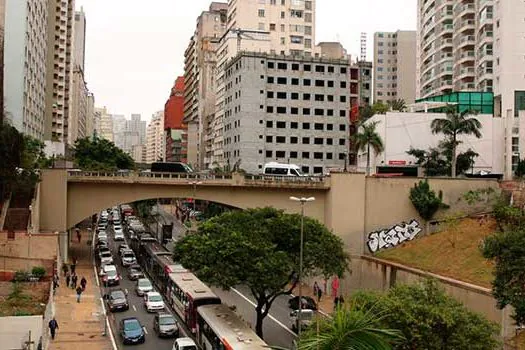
{"points": [[159, 264], [218, 327], [186, 293]]}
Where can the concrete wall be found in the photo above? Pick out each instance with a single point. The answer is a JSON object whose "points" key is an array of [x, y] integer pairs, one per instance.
{"points": [[374, 274], [16, 330], [40, 246]]}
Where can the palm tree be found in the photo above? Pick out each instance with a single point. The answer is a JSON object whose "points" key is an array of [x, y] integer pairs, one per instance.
{"points": [[366, 138], [397, 105], [351, 328], [453, 125]]}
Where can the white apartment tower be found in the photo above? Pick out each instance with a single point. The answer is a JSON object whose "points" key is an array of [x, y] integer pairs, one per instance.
{"points": [[25, 51], [60, 69], [283, 27], [395, 66], [155, 138], [476, 45]]}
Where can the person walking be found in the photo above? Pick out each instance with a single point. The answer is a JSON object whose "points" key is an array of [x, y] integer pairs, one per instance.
{"points": [[55, 283], [73, 264], [53, 326], [316, 288], [65, 269], [68, 279], [319, 294], [83, 283], [74, 281], [79, 293], [79, 235]]}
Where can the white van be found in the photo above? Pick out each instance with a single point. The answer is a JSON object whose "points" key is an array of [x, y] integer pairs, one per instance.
{"points": [[280, 169]]}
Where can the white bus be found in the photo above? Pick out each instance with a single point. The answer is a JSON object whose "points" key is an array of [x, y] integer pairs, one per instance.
{"points": [[280, 169], [218, 327]]}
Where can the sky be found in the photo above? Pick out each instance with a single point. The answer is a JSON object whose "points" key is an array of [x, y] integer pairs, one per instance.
{"points": [[134, 52]]}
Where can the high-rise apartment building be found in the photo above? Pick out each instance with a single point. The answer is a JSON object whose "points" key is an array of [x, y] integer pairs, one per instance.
{"points": [[78, 117], [103, 124], [60, 68], [476, 45], [80, 39], [199, 92], [119, 128], [137, 125], [2, 25], [288, 109], [174, 127], [90, 121], [395, 66], [155, 138], [25, 52]]}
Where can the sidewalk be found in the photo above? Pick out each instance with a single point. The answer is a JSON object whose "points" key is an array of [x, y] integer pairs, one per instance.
{"points": [[81, 325], [326, 305]]}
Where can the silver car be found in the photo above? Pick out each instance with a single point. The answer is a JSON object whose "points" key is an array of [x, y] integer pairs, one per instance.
{"points": [[143, 286]]}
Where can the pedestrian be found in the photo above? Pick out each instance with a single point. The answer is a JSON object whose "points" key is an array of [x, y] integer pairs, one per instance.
{"points": [[316, 288], [74, 281], [55, 283], [83, 283], [65, 269], [68, 279], [79, 236], [79, 293], [336, 303], [319, 294], [73, 265], [53, 326]]}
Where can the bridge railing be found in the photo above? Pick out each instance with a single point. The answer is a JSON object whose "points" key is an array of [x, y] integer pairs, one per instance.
{"points": [[284, 179]]}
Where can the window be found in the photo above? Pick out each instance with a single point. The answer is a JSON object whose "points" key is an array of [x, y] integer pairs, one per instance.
{"points": [[282, 66], [319, 97], [308, 30], [283, 40], [342, 113], [261, 13], [330, 83], [269, 109], [261, 26], [306, 155], [319, 69], [269, 154], [329, 142], [281, 95], [306, 111], [269, 80], [296, 13], [283, 15], [269, 94], [307, 82], [342, 156], [318, 155], [306, 97], [281, 110], [269, 124], [319, 83], [280, 154], [280, 139], [307, 5], [330, 112], [329, 156], [329, 127], [318, 126], [306, 126], [294, 140], [281, 125], [294, 110], [319, 111], [295, 81], [293, 155], [271, 65], [307, 43], [330, 98], [283, 28], [305, 169], [318, 141], [272, 27], [269, 139], [342, 142], [281, 80], [293, 125], [295, 66], [330, 69], [307, 68], [306, 140], [294, 96], [342, 127], [343, 85], [342, 99]]}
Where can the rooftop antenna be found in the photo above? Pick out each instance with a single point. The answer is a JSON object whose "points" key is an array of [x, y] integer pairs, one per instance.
{"points": [[363, 46]]}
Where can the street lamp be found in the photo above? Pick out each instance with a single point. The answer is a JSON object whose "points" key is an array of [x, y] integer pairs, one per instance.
{"points": [[301, 200], [194, 184]]}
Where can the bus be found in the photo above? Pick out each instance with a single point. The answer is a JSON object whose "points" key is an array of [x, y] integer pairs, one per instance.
{"points": [[186, 293], [218, 327], [175, 167], [158, 263]]}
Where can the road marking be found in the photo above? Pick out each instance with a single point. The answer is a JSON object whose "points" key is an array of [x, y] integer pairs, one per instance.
{"points": [[134, 308], [270, 316], [145, 330]]}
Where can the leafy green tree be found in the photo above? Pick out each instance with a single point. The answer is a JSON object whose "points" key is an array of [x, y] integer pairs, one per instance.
{"points": [[99, 154], [437, 161], [259, 248], [380, 108], [365, 113], [454, 125], [352, 328], [520, 169], [397, 105], [425, 200], [11, 150], [429, 319], [507, 249], [366, 138]]}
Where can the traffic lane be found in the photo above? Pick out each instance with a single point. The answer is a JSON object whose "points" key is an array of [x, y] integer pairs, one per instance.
{"points": [[136, 307], [275, 334]]}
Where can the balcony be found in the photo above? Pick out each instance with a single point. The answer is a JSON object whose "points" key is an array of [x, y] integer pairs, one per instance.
{"points": [[488, 18], [462, 10], [466, 40], [465, 57], [486, 37], [484, 3], [485, 73], [462, 26], [467, 72]]}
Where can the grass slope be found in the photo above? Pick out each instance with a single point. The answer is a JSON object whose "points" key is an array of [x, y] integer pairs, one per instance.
{"points": [[436, 253]]}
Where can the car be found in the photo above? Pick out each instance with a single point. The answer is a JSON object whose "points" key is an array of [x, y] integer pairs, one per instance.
{"points": [[143, 286], [308, 303], [117, 300], [100, 246], [106, 268], [165, 325], [119, 236], [131, 331], [122, 247], [153, 302], [184, 344], [103, 248], [110, 276], [128, 258], [135, 272], [106, 258]]}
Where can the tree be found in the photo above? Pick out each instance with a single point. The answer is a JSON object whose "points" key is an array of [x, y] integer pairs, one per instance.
{"points": [[454, 125], [507, 249], [11, 150], [437, 161], [520, 169], [259, 248], [368, 137], [352, 328], [99, 154], [380, 108], [397, 105], [425, 200], [365, 113], [429, 319]]}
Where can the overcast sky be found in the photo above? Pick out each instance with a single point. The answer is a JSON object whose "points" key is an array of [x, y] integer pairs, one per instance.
{"points": [[135, 48]]}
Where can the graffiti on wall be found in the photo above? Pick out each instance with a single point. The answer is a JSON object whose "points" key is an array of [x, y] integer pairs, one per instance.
{"points": [[393, 236]]}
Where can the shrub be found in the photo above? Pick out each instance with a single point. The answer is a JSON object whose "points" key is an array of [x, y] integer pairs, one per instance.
{"points": [[38, 271], [21, 276]]}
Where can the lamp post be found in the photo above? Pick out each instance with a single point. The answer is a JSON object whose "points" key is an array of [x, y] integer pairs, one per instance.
{"points": [[301, 200], [194, 184]]}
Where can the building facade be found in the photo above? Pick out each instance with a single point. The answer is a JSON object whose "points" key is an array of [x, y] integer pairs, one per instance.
{"points": [[60, 67], [199, 90], [155, 138], [288, 109], [103, 124], [136, 124], [80, 39], [175, 131], [395, 66], [2, 27], [25, 52], [78, 118], [90, 120]]}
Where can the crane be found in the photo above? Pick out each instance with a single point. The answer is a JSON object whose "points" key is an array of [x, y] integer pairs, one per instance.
{"points": [[245, 33]]}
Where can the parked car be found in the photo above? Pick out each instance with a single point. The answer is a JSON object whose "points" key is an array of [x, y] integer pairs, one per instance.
{"points": [[184, 344], [128, 258], [165, 325], [100, 246], [106, 258], [117, 300], [131, 331], [153, 302], [307, 318], [143, 286], [308, 303], [135, 272]]}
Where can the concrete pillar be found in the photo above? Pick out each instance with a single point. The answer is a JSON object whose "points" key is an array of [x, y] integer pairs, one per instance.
{"points": [[63, 245]]}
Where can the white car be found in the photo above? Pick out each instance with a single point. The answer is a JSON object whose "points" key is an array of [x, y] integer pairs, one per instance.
{"points": [[102, 235], [119, 235], [106, 258], [128, 258], [143, 286], [184, 344], [153, 302]]}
